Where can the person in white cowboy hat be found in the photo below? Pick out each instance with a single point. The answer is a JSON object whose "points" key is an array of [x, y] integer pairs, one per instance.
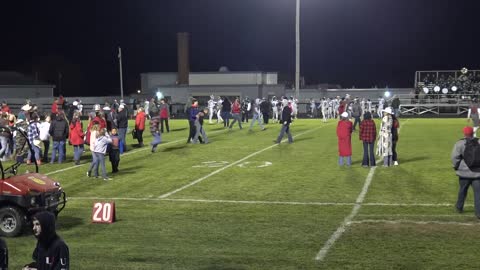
{"points": [[385, 138], [344, 135]]}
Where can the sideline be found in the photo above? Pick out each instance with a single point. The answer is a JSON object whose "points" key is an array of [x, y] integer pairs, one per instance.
{"points": [[233, 164], [126, 154]]}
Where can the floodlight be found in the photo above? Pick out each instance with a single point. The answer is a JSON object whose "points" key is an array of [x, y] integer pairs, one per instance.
{"points": [[159, 95], [454, 88], [436, 89], [387, 94], [445, 90], [425, 90], [139, 91]]}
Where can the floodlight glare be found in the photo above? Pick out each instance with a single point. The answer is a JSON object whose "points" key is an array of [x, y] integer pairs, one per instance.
{"points": [[425, 90], [454, 88], [387, 94], [445, 90], [436, 89], [139, 91], [159, 95]]}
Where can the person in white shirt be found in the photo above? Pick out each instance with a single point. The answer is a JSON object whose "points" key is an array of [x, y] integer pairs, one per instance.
{"points": [[211, 108], [44, 127]]}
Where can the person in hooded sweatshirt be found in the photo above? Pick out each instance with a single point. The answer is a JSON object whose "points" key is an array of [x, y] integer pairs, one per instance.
{"points": [[51, 252], [59, 133]]}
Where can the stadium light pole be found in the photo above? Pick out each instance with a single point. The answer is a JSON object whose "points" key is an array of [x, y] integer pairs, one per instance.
{"points": [[121, 73], [297, 50]]}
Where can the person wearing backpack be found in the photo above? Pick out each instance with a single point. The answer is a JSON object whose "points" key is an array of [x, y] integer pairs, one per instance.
{"points": [[466, 162]]}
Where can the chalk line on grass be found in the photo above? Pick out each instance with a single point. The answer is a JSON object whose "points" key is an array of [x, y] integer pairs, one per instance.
{"points": [[340, 230], [406, 221], [231, 165], [125, 154]]}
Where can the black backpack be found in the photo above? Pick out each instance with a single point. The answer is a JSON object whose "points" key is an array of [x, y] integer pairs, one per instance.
{"points": [[471, 154]]}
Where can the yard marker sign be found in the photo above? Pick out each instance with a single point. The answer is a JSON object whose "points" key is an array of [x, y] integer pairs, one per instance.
{"points": [[103, 212]]}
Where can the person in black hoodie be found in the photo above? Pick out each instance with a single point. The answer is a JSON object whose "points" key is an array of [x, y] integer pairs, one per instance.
{"points": [[51, 252], [59, 132]]}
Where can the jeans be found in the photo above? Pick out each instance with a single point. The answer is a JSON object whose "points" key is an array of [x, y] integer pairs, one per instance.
{"points": [[357, 121], [256, 117], [36, 151], [199, 131], [285, 129], [46, 147], [347, 160], [122, 133], [100, 157], [226, 118], [236, 117], [4, 144], [162, 120], [77, 152], [462, 193], [93, 164], [368, 154], [58, 146], [157, 139]]}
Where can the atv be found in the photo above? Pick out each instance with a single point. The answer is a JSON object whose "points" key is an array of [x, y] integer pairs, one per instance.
{"points": [[23, 193]]}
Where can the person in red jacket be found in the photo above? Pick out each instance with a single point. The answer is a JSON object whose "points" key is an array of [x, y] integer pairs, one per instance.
{"points": [[236, 114], [5, 108], [140, 125], [54, 110], [76, 137], [368, 133], [344, 135]]}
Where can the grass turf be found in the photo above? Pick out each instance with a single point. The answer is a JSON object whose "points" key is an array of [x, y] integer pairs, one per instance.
{"points": [[253, 204]]}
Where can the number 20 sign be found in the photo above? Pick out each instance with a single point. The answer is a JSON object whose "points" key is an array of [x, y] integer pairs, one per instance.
{"points": [[103, 212]]}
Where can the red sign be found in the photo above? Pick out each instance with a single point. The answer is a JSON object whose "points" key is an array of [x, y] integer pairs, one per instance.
{"points": [[103, 212]]}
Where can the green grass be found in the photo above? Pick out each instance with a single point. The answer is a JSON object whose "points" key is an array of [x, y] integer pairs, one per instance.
{"points": [[242, 216]]}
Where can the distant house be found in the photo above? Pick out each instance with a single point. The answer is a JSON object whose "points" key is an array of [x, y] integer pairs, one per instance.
{"points": [[15, 85]]}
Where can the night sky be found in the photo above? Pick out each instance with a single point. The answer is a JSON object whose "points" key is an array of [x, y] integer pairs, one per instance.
{"points": [[358, 43]]}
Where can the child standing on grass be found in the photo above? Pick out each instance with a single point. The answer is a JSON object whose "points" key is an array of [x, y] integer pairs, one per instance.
{"points": [[101, 144], [93, 136], [114, 153], [344, 135]]}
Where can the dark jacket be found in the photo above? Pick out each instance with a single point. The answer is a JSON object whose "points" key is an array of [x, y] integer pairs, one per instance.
{"points": [[226, 105], [122, 119], [265, 107], [286, 115], [3, 255], [51, 252], [59, 129], [459, 164]]}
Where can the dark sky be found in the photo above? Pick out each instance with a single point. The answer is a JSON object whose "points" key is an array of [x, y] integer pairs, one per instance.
{"points": [[349, 42]]}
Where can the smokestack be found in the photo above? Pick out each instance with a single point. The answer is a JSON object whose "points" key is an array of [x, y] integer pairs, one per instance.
{"points": [[183, 57]]}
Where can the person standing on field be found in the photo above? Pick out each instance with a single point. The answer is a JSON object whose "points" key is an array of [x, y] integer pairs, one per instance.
{"points": [[368, 132], [164, 115], [473, 115], [286, 121], [140, 125], [466, 176], [344, 135]]}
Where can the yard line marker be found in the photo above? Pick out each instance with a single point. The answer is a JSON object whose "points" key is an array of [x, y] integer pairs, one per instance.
{"points": [[356, 208], [126, 154], [231, 165], [434, 222], [410, 204]]}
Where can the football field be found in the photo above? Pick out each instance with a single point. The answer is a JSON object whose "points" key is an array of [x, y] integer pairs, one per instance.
{"points": [[243, 202]]}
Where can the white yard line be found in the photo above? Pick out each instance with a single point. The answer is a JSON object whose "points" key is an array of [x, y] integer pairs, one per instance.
{"points": [[230, 165], [340, 230], [126, 154], [405, 221], [410, 204], [213, 201], [412, 215]]}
